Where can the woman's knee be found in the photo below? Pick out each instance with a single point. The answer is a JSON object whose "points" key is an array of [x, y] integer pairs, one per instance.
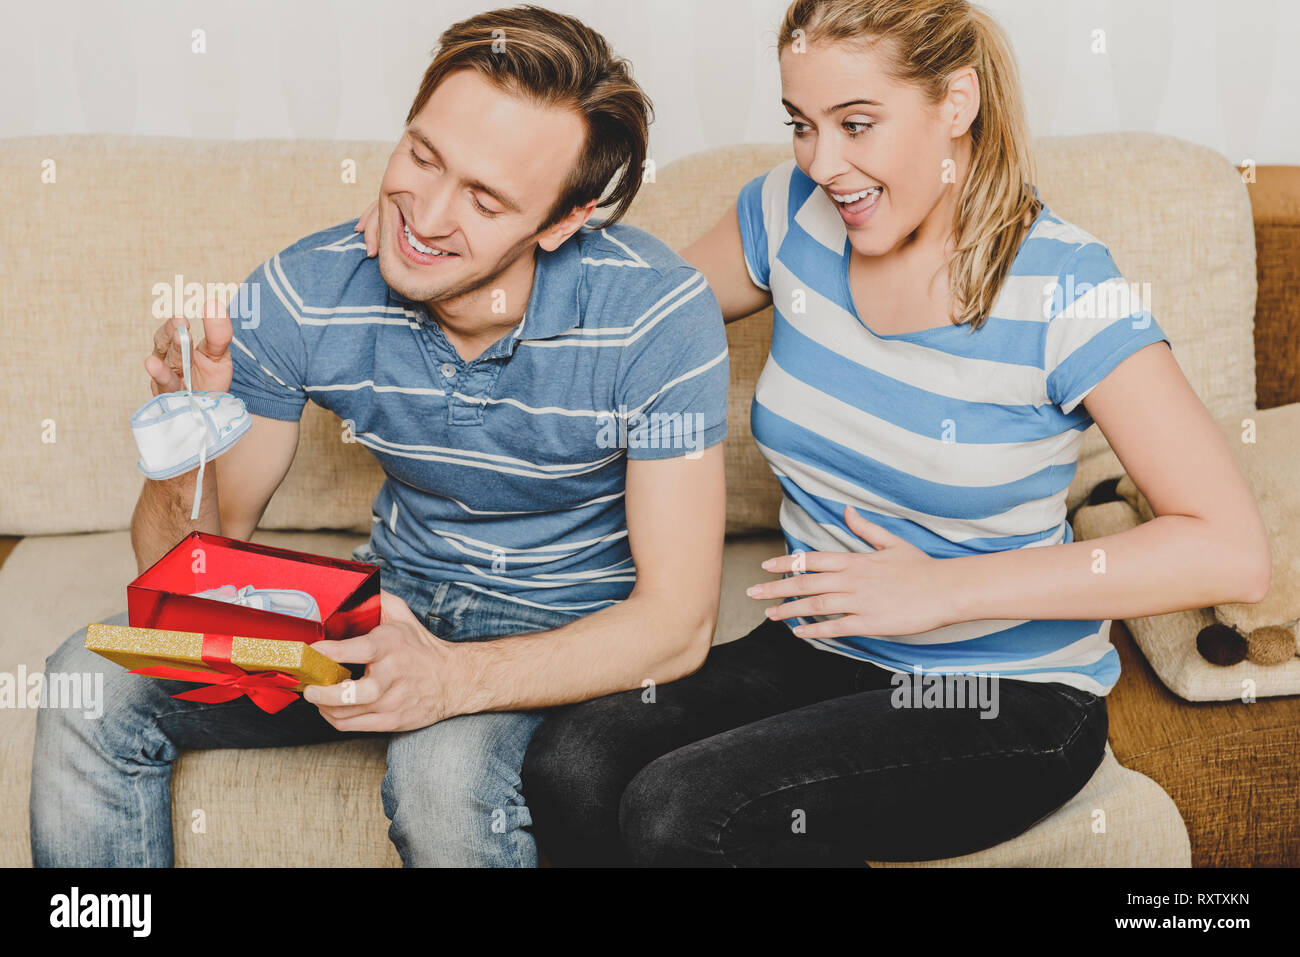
{"points": [[585, 754], [674, 812]]}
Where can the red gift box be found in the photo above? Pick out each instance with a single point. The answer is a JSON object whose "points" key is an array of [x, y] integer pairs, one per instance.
{"points": [[346, 592]]}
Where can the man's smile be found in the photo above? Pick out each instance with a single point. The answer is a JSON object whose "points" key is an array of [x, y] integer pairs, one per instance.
{"points": [[417, 250]]}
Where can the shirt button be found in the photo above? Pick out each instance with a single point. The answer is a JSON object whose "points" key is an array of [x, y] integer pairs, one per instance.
{"points": [[448, 370]]}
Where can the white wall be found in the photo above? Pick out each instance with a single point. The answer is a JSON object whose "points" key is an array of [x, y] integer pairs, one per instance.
{"points": [[1210, 71]]}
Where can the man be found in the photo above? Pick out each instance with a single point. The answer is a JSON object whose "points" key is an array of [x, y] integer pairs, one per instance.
{"points": [[547, 400]]}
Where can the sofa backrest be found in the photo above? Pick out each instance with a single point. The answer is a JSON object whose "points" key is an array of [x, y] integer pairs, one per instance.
{"points": [[96, 226]]}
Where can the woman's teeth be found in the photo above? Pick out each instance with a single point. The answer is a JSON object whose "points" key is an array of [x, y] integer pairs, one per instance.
{"points": [[421, 247], [847, 198]]}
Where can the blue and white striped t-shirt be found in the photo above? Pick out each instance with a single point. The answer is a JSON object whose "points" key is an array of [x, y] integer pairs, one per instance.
{"points": [[960, 442], [505, 473]]}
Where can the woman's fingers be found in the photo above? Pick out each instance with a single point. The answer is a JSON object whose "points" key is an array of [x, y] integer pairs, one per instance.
{"points": [[800, 562], [369, 224], [814, 606], [819, 584]]}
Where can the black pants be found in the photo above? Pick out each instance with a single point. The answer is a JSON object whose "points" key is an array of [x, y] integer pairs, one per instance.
{"points": [[776, 752]]}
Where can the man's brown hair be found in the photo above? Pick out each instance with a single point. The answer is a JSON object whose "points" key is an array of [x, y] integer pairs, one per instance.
{"points": [[556, 60]]}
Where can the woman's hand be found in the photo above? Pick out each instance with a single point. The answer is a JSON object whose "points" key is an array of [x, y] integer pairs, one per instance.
{"points": [[895, 590], [369, 224]]}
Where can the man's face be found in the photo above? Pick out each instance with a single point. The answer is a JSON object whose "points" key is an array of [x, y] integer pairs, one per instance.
{"points": [[467, 189]]}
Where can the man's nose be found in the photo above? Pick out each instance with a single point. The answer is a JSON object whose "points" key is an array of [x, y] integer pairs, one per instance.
{"points": [[433, 214]]}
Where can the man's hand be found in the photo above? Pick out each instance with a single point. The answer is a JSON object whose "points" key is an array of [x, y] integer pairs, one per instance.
{"points": [[369, 224], [211, 368], [411, 678]]}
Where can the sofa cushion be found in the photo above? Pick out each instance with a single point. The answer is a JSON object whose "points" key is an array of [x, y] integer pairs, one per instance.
{"points": [[1119, 819], [1174, 214]]}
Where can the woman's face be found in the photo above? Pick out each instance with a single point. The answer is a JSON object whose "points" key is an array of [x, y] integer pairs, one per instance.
{"points": [[884, 156]]}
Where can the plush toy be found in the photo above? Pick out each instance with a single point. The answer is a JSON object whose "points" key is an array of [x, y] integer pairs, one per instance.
{"points": [[1267, 632]]}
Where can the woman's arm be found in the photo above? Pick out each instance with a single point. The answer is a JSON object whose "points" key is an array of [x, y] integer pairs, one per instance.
{"points": [[1206, 546], [720, 255]]}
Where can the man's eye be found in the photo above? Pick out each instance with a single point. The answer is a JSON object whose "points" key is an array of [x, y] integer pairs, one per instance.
{"points": [[483, 209], [420, 161]]}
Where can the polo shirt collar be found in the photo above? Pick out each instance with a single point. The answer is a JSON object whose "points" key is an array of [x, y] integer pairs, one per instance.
{"points": [[554, 305]]}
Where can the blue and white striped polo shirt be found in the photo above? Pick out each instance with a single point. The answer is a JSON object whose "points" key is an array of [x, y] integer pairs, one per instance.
{"points": [[960, 442], [506, 473]]}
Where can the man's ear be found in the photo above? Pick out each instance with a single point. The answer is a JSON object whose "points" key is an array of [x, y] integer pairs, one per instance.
{"points": [[551, 239]]}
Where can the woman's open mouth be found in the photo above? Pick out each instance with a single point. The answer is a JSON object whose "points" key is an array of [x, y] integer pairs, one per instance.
{"points": [[856, 208]]}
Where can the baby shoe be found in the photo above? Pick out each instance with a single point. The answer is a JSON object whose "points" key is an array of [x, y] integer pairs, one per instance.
{"points": [[176, 431], [282, 601]]}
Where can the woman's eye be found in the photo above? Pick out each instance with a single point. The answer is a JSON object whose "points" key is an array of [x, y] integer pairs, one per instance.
{"points": [[856, 129], [799, 128]]}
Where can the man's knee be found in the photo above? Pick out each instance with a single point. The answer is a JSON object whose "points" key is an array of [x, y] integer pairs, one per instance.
{"points": [[452, 791], [87, 695]]}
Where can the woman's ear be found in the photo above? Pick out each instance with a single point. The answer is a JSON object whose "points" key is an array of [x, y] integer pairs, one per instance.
{"points": [[962, 103]]}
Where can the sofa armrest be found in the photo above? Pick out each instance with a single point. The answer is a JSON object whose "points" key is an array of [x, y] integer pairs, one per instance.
{"points": [[1275, 201]]}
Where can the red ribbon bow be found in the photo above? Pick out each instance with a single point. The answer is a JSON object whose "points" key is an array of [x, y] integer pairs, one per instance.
{"points": [[269, 690]]}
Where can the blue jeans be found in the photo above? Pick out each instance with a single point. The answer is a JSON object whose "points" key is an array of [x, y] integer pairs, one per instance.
{"points": [[101, 787], [777, 753]]}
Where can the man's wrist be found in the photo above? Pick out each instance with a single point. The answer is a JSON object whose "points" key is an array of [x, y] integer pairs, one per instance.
{"points": [[466, 684]]}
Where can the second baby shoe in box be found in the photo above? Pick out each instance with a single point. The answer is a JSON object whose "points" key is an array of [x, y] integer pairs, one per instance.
{"points": [[282, 601]]}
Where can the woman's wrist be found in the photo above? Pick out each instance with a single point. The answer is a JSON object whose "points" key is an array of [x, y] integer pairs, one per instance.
{"points": [[957, 596]]}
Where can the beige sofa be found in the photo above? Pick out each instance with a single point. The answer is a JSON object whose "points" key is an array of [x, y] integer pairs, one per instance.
{"points": [[121, 215]]}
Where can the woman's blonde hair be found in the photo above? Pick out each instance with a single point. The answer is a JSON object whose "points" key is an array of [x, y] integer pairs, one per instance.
{"points": [[931, 40]]}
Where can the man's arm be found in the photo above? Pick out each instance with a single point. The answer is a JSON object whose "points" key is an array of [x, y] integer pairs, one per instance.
{"points": [[676, 513]]}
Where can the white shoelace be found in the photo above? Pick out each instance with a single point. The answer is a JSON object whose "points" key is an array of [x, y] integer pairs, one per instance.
{"points": [[198, 414], [241, 598]]}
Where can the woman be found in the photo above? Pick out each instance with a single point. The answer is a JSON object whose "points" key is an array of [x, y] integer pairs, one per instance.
{"points": [[941, 341]]}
